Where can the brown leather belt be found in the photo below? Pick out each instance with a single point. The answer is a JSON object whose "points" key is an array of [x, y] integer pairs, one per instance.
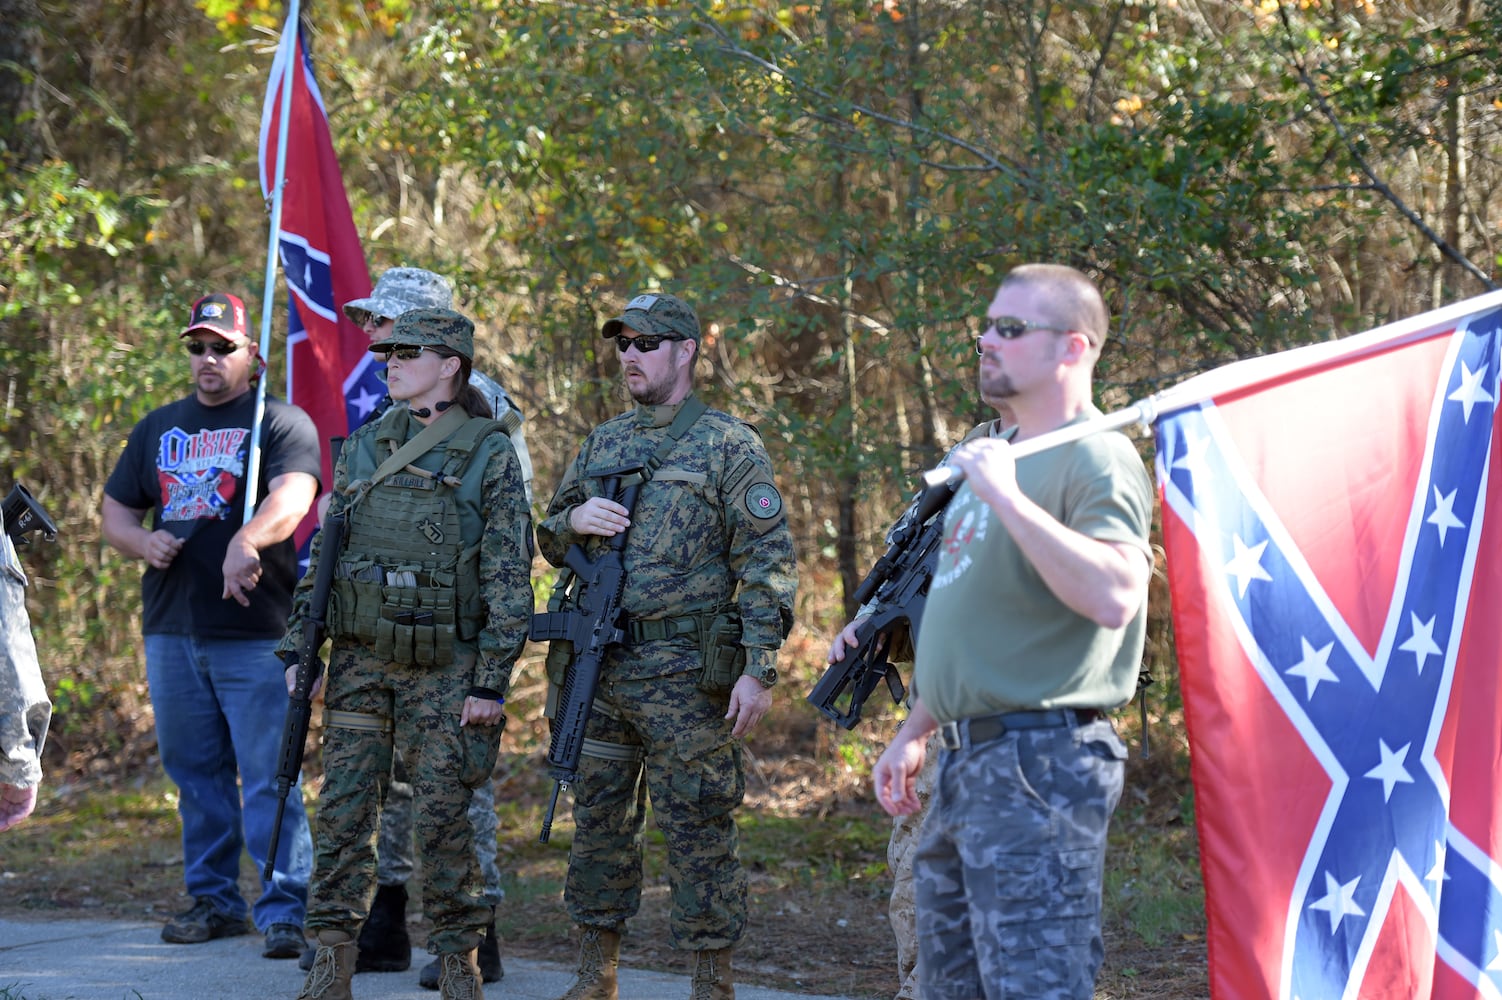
{"points": [[985, 728]]}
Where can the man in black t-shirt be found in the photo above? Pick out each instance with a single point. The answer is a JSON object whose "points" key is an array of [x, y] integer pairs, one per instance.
{"points": [[216, 594]]}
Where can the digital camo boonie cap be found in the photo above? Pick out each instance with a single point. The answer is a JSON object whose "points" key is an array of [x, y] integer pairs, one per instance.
{"points": [[401, 289], [656, 314], [431, 328], [220, 313]]}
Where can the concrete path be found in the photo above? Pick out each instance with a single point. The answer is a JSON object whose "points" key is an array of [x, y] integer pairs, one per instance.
{"points": [[127, 960]]}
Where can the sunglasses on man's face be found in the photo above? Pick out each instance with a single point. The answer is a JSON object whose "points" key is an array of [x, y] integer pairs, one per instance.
{"points": [[401, 353], [1010, 328], [646, 343], [219, 347]]}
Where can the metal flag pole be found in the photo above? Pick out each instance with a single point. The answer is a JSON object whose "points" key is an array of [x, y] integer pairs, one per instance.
{"points": [[287, 54]]}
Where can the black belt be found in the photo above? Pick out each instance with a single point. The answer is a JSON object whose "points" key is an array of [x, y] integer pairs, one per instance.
{"points": [[985, 728]]}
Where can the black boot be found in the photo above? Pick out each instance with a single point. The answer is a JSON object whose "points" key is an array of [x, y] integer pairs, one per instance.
{"points": [[384, 944], [488, 954]]}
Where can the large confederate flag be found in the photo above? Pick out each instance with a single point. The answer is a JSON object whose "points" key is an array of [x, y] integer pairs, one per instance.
{"points": [[330, 371], [1333, 522]]}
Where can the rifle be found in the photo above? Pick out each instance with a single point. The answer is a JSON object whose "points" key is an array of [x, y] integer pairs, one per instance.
{"points": [[23, 515], [309, 666], [593, 626], [899, 582]]}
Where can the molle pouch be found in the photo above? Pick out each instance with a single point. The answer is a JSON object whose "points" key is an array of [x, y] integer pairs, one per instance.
{"points": [[433, 627], [720, 649], [385, 637]]}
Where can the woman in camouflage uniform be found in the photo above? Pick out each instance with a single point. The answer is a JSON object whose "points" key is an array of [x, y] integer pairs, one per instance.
{"points": [[430, 605]]}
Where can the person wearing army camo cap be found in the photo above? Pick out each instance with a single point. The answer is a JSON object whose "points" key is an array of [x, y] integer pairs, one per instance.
{"points": [[430, 604], [384, 944], [710, 580]]}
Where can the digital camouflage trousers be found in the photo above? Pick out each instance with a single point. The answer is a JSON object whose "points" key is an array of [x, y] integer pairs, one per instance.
{"points": [[1009, 865], [672, 746], [444, 762]]}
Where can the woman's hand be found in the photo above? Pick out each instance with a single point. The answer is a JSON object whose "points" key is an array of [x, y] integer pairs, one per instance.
{"points": [[481, 712]]}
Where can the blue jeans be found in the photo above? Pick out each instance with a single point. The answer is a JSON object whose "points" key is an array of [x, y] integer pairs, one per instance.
{"points": [[220, 705]]}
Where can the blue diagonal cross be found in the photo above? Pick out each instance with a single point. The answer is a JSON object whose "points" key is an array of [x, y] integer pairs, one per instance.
{"points": [[1371, 720]]}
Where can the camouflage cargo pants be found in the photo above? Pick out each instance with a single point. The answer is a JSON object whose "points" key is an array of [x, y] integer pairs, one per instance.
{"points": [[672, 743], [394, 860], [444, 761], [1009, 865], [902, 907]]}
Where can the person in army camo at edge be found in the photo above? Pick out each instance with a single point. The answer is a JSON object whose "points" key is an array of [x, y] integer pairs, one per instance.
{"points": [[384, 945], [1033, 627], [903, 843], [709, 546], [430, 606]]}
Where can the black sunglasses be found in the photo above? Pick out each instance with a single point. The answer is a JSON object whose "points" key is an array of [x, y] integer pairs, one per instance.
{"points": [[219, 347], [1010, 328], [360, 317], [646, 343], [401, 353]]}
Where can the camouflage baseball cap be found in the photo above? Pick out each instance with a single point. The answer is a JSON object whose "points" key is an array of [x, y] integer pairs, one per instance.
{"points": [[400, 289], [431, 328], [656, 313]]}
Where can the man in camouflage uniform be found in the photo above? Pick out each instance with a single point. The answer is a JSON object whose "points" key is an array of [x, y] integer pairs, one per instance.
{"points": [[1033, 627], [710, 578], [384, 945], [25, 711], [431, 601]]}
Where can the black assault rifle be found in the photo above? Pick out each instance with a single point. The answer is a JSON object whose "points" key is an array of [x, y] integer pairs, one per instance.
{"points": [[23, 515], [899, 582], [593, 624], [309, 667]]}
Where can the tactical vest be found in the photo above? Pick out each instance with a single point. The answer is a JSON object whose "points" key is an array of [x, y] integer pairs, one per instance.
{"points": [[407, 583]]}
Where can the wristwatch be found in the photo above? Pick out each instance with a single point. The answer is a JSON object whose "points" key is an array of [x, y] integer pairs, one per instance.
{"points": [[761, 668]]}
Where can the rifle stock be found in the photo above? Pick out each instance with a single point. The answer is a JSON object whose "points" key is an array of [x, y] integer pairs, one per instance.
{"points": [[23, 514], [593, 626], [300, 702], [899, 583]]}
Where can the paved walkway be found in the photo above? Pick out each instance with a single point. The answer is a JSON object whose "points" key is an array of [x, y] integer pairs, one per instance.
{"points": [[127, 960]]}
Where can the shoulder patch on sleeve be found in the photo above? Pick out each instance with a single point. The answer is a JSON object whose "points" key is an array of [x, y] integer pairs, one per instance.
{"points": [[763, 501]]}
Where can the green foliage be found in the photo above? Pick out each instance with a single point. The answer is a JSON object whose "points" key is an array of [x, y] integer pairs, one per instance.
{"points": [[836, 186]]}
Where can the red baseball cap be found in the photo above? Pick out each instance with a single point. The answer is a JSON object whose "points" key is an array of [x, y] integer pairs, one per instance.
{"points": [[222, 314]]}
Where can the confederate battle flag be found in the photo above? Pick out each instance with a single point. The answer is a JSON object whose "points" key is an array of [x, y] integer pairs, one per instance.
{"points": [[330, 371], [1333, 524]]}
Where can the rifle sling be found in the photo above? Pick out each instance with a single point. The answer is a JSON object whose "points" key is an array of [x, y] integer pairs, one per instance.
{"points": [[692, 409]]}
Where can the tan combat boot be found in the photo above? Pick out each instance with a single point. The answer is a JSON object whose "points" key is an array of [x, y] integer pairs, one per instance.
{"points": [[459, 976], [712, 976], [333, 967], [599, 955]]}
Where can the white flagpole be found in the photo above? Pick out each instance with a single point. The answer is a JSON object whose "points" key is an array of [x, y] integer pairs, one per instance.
{"points": [[287, 49], [1244, 374]]}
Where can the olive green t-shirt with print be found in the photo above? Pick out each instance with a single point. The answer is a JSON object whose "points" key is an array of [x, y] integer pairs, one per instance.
{"points": [[994, 637]]}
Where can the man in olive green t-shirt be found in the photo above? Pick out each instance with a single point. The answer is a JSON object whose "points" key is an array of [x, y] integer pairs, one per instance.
{"points": [[1033, 629]]}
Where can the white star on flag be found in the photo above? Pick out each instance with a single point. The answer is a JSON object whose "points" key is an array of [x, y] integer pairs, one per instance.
{"points": [[1314, 667], [1246, 566], [1421, 643], [1391, 770], [1339, 900], [1444, 517], [1471, 391]]}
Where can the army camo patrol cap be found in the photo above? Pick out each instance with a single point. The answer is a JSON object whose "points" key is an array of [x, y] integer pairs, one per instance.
{"points": [[655, 314], [431, 328], [400, 289]]}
